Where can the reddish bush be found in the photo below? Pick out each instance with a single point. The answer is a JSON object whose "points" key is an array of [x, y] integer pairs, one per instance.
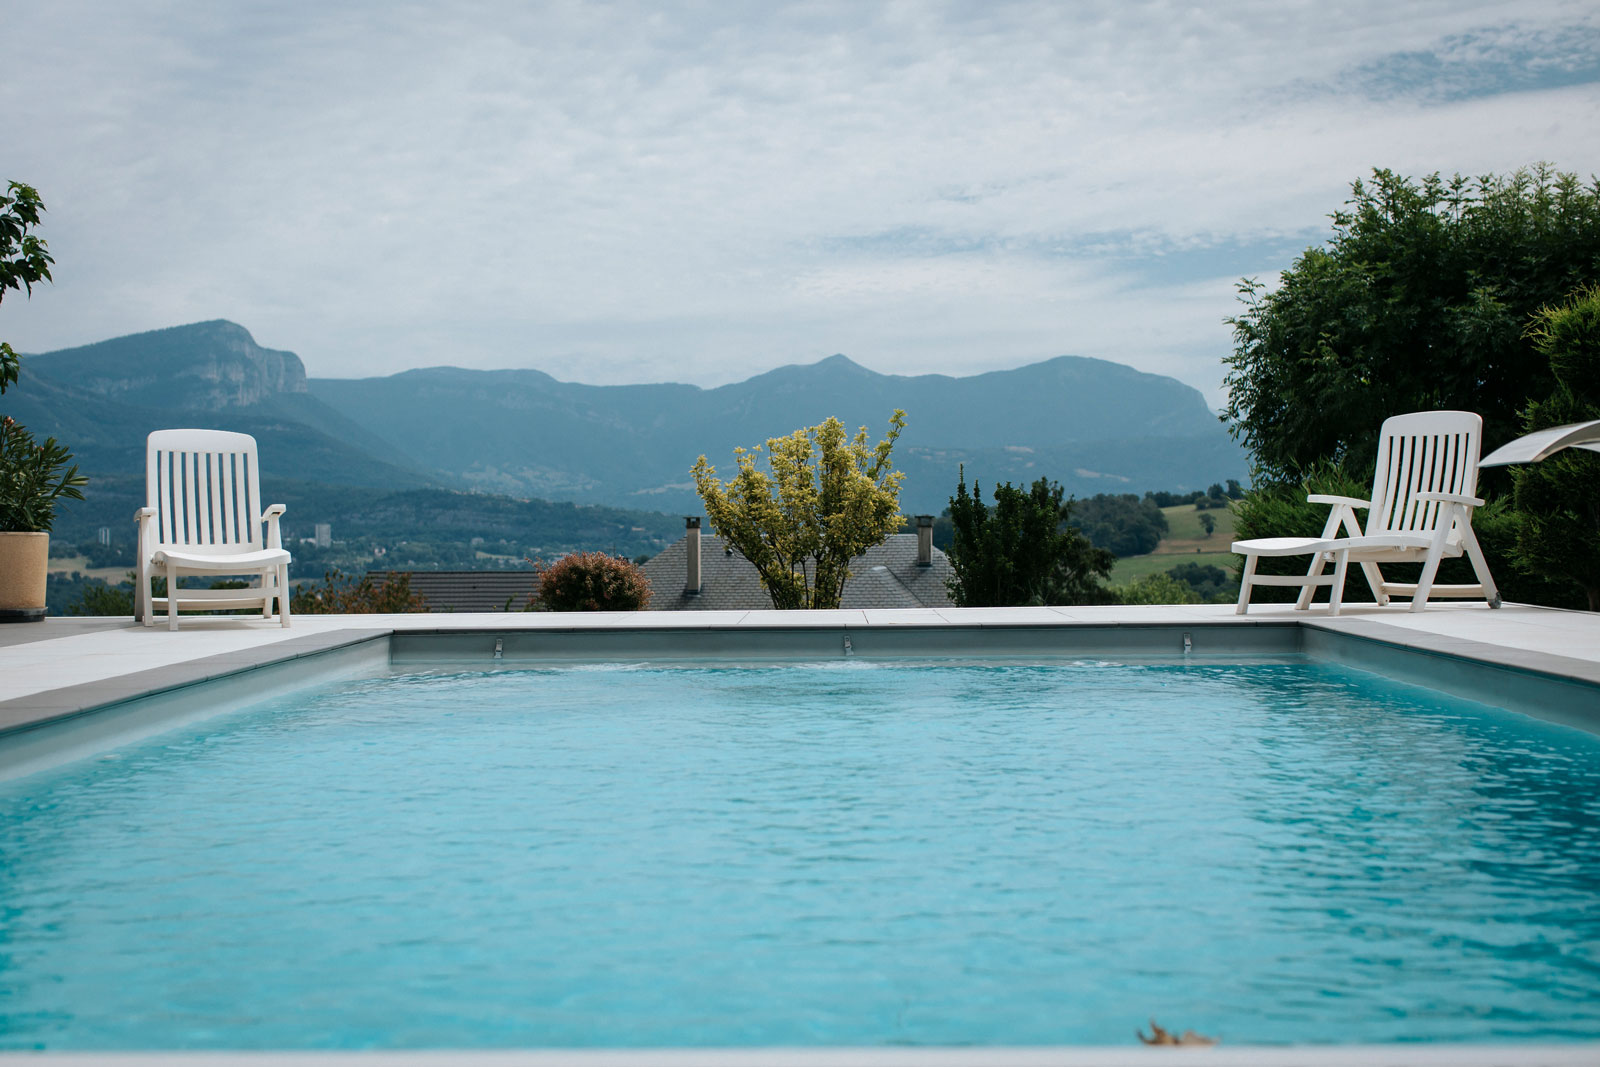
{"points": [[591, 581], [341, 595]]}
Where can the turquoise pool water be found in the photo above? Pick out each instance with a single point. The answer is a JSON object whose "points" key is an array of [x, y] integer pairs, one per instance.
{"points": [[840, 854]]}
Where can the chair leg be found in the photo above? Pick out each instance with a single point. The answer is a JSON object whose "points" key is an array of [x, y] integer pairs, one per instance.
{"points": [[1244, 583], [283, 595], [172, 595], [1303, 601], [1480, 565], [142, 608], [1430, 568], [1336, 595], [1375, 583]]}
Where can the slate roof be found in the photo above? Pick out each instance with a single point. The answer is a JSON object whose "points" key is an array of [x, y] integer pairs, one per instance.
{"points": [[468, 590], [885, 576]]}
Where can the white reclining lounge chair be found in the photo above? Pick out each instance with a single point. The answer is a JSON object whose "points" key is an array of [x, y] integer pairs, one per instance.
{"points": [[1420, 512], [203, 516]]}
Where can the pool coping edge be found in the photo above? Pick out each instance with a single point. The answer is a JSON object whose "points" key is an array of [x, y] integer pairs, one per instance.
{"points": [[1321, 636]]}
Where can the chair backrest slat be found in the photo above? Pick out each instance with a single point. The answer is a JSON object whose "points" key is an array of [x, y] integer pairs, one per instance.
{"points": [[228, 518], [1423, 452], [156, 480], [214, 497], [205, 488], [252, 496]]}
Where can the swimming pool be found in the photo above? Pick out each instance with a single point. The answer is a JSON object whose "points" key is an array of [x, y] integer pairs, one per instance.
{"points": [[833, 853]]}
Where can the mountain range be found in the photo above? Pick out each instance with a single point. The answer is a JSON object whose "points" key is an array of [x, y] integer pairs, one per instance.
{"points": [[1093, 425]]}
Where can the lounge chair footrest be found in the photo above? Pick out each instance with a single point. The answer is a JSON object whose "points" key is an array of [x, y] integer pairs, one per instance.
{"points": [[1410, 589], [1290, 579]]}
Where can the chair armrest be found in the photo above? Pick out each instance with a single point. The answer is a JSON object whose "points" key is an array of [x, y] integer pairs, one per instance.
{"points": [[1451, 498], [144, 515], [270, 517], [1335, 544], [1341, 514]]}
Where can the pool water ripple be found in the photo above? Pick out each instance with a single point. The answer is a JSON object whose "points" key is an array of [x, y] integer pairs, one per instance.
{"points": [[841, 855]]}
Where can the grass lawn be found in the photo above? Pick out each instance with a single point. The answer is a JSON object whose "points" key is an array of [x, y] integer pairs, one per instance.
{"points": [[1186, 542]]}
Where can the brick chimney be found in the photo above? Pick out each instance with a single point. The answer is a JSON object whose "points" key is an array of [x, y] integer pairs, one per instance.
{"points": [[924, 540], [691, 586]]}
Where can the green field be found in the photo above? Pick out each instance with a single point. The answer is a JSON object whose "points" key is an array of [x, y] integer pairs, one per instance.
{"points": [[68, 564], [1186, 542]]}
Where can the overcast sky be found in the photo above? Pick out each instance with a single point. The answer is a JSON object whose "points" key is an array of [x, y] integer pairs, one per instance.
{"points": [[699, 192]]}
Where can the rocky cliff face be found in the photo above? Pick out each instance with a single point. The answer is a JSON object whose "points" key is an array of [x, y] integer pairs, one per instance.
{"points": [[206, 366], [234, 371]]}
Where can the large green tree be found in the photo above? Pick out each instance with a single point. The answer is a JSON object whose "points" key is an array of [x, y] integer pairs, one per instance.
{"points": [[1420, 300], [1558, 499], [24, 258], [1121, 523], [1023, 550], [824, 499]]}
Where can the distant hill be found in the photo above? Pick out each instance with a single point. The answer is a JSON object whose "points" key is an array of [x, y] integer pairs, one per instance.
{"points": [[103, 399], [1093, 425], [388, 516]]}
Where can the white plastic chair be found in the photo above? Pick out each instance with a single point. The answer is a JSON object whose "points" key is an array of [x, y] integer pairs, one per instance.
{"points": [[1420, 512], [203, 516]]}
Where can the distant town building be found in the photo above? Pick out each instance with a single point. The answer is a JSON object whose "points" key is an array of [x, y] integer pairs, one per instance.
{"points": [[103, 535], [324, 536]]}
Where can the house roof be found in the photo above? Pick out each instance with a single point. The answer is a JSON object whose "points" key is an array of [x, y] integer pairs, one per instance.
{"points": [[469, 590], [885, 576]]}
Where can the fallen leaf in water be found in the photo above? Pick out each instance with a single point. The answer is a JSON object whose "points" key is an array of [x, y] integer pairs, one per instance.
{"points": [[1160, 1036]]}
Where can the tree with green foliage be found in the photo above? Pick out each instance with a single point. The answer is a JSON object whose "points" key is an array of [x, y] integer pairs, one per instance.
{"points": [[1419, 301], [1210, 582], [1159, 588], [1024, 550], [24, 258], [101, 599], [824, 499], [1558, 499], [1121, 523]]}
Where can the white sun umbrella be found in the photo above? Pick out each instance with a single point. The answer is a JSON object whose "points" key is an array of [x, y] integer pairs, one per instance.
{"points": [[1544, 443]]}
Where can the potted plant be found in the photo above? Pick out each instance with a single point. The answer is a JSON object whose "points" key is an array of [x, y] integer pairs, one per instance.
{"points": [[33, 477]]}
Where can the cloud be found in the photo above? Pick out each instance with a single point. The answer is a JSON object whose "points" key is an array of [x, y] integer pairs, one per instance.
{"points": [[622, 192], [1486, 62]]}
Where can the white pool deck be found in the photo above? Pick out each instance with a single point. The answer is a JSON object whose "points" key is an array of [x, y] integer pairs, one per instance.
{"points": [[57, 669]]}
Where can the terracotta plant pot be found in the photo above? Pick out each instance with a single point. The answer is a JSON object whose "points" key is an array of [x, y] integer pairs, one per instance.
{"points": [[24, 561]]}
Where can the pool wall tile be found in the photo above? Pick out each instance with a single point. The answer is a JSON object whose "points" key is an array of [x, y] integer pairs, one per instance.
{"points": [[1451, 666], [45, 730]]}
